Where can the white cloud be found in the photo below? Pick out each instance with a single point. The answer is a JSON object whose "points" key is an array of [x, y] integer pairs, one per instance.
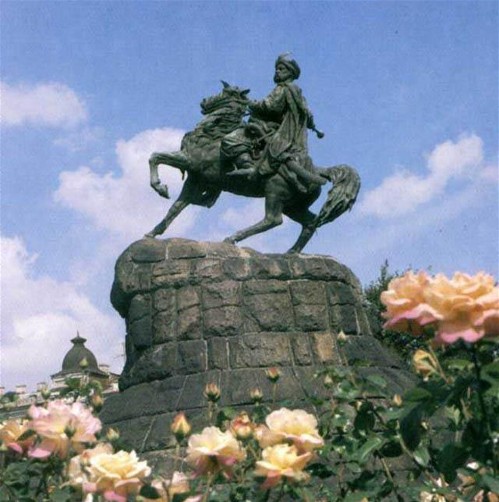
{"points": [[125, 204], [39, 317], [403, 192], [51, 104]]}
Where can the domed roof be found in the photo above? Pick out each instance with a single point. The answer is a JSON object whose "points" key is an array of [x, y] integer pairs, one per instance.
{"points": [[79, 357]]}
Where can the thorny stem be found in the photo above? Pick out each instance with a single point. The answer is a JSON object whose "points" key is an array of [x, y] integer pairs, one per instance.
{"points": [[206, 495], [485, 415]]}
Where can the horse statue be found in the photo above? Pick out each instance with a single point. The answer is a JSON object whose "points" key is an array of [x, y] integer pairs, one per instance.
{"points": [[208, 173]]}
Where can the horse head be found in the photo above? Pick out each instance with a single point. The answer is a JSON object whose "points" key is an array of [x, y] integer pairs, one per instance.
{"points": [[228, 97]]}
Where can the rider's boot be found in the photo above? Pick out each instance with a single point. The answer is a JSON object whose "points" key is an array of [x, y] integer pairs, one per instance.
{"points": [[245, 166]]}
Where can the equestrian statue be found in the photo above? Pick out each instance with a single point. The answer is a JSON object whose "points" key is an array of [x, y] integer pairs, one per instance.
{"points": [[265, 155]]}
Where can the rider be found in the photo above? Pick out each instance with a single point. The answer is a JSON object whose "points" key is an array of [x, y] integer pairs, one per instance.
{"points": [[283, 117]]}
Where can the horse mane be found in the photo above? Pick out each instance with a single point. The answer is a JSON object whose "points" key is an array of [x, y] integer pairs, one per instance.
{"points": [[223, 112]]}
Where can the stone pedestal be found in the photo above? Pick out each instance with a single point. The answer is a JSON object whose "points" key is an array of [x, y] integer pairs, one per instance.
{"points": [[200, 312]]}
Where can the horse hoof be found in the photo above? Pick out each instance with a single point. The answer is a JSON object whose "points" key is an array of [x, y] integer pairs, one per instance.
{"points": [[149, 235], [228, 240]]}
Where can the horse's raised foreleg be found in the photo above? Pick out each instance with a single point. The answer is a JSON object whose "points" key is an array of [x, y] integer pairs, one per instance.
{"points": [[307, 219], [177, 207], [174, 159], [273, 218]]}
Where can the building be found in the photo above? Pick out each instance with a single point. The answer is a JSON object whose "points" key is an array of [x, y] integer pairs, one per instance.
{"points": [[79, 363]]}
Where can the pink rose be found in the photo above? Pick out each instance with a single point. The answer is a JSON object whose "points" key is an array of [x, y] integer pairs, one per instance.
{"points": [[405, 305], [61, 426]]}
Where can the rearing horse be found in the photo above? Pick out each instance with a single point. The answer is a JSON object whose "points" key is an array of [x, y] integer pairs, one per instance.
{"points": [[207, 176]]}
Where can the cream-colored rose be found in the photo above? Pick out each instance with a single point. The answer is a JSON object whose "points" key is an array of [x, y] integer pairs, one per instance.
{"points": [[61, 426], [282, 460], [467, 306], [212, 450], [120, 473], [167, 489], [296, 426], [77, 470], [406, 309], [11, 431]]}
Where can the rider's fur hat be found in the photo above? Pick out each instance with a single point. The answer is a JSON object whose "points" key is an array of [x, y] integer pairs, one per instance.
{"points": [[290, 64]]}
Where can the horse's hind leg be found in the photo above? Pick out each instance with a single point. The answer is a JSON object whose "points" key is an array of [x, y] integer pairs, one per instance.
{"points": [[306, 218], [273, 218]]}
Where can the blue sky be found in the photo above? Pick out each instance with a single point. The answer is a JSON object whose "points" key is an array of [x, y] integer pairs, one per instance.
{"points": [[407, 92]]}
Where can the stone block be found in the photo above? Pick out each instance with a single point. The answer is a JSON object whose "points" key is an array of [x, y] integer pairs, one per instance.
{"points": [[134, 431], [302, 351], [191, 395], [223, 321], [140, 306], [270, 268], [148, 251], [348, 320], [258, 287], [208, 268], [272, 312], [164, 327], [259, 350], [311, 317], [192, 357], [155, 363], [218, 355], [308, 268], [189, 324], [171, 273], [164, 300], [340, 294], [187, 297], [219, 294], [140, 332], [160, 436], [237, 268], [150, 398], [323, 346], [308, 292]]}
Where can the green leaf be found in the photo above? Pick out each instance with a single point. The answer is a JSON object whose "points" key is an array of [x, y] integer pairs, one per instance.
{"points": [[449, 459], [377, 380], [410, 428], [61, 495], [422, 455], [370, 446], [391, 449], [150, 492], [416, 395], [321, 471], [357, 496], [491, 482]]}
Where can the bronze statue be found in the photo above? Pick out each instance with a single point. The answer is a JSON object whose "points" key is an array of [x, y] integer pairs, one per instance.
{"points": [[266, 156]]}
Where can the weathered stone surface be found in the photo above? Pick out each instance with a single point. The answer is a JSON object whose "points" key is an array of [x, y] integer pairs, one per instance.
{"points": [[199, 313]]}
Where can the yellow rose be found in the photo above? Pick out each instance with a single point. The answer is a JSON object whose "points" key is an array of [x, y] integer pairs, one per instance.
{"points": [[242, 427], [120, 474], [296, 426], [213, 450], [11, 431], [467, 306], [282, 460]]}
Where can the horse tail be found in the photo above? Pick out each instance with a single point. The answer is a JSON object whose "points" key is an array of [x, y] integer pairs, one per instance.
{"points": [[342, 196]]}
